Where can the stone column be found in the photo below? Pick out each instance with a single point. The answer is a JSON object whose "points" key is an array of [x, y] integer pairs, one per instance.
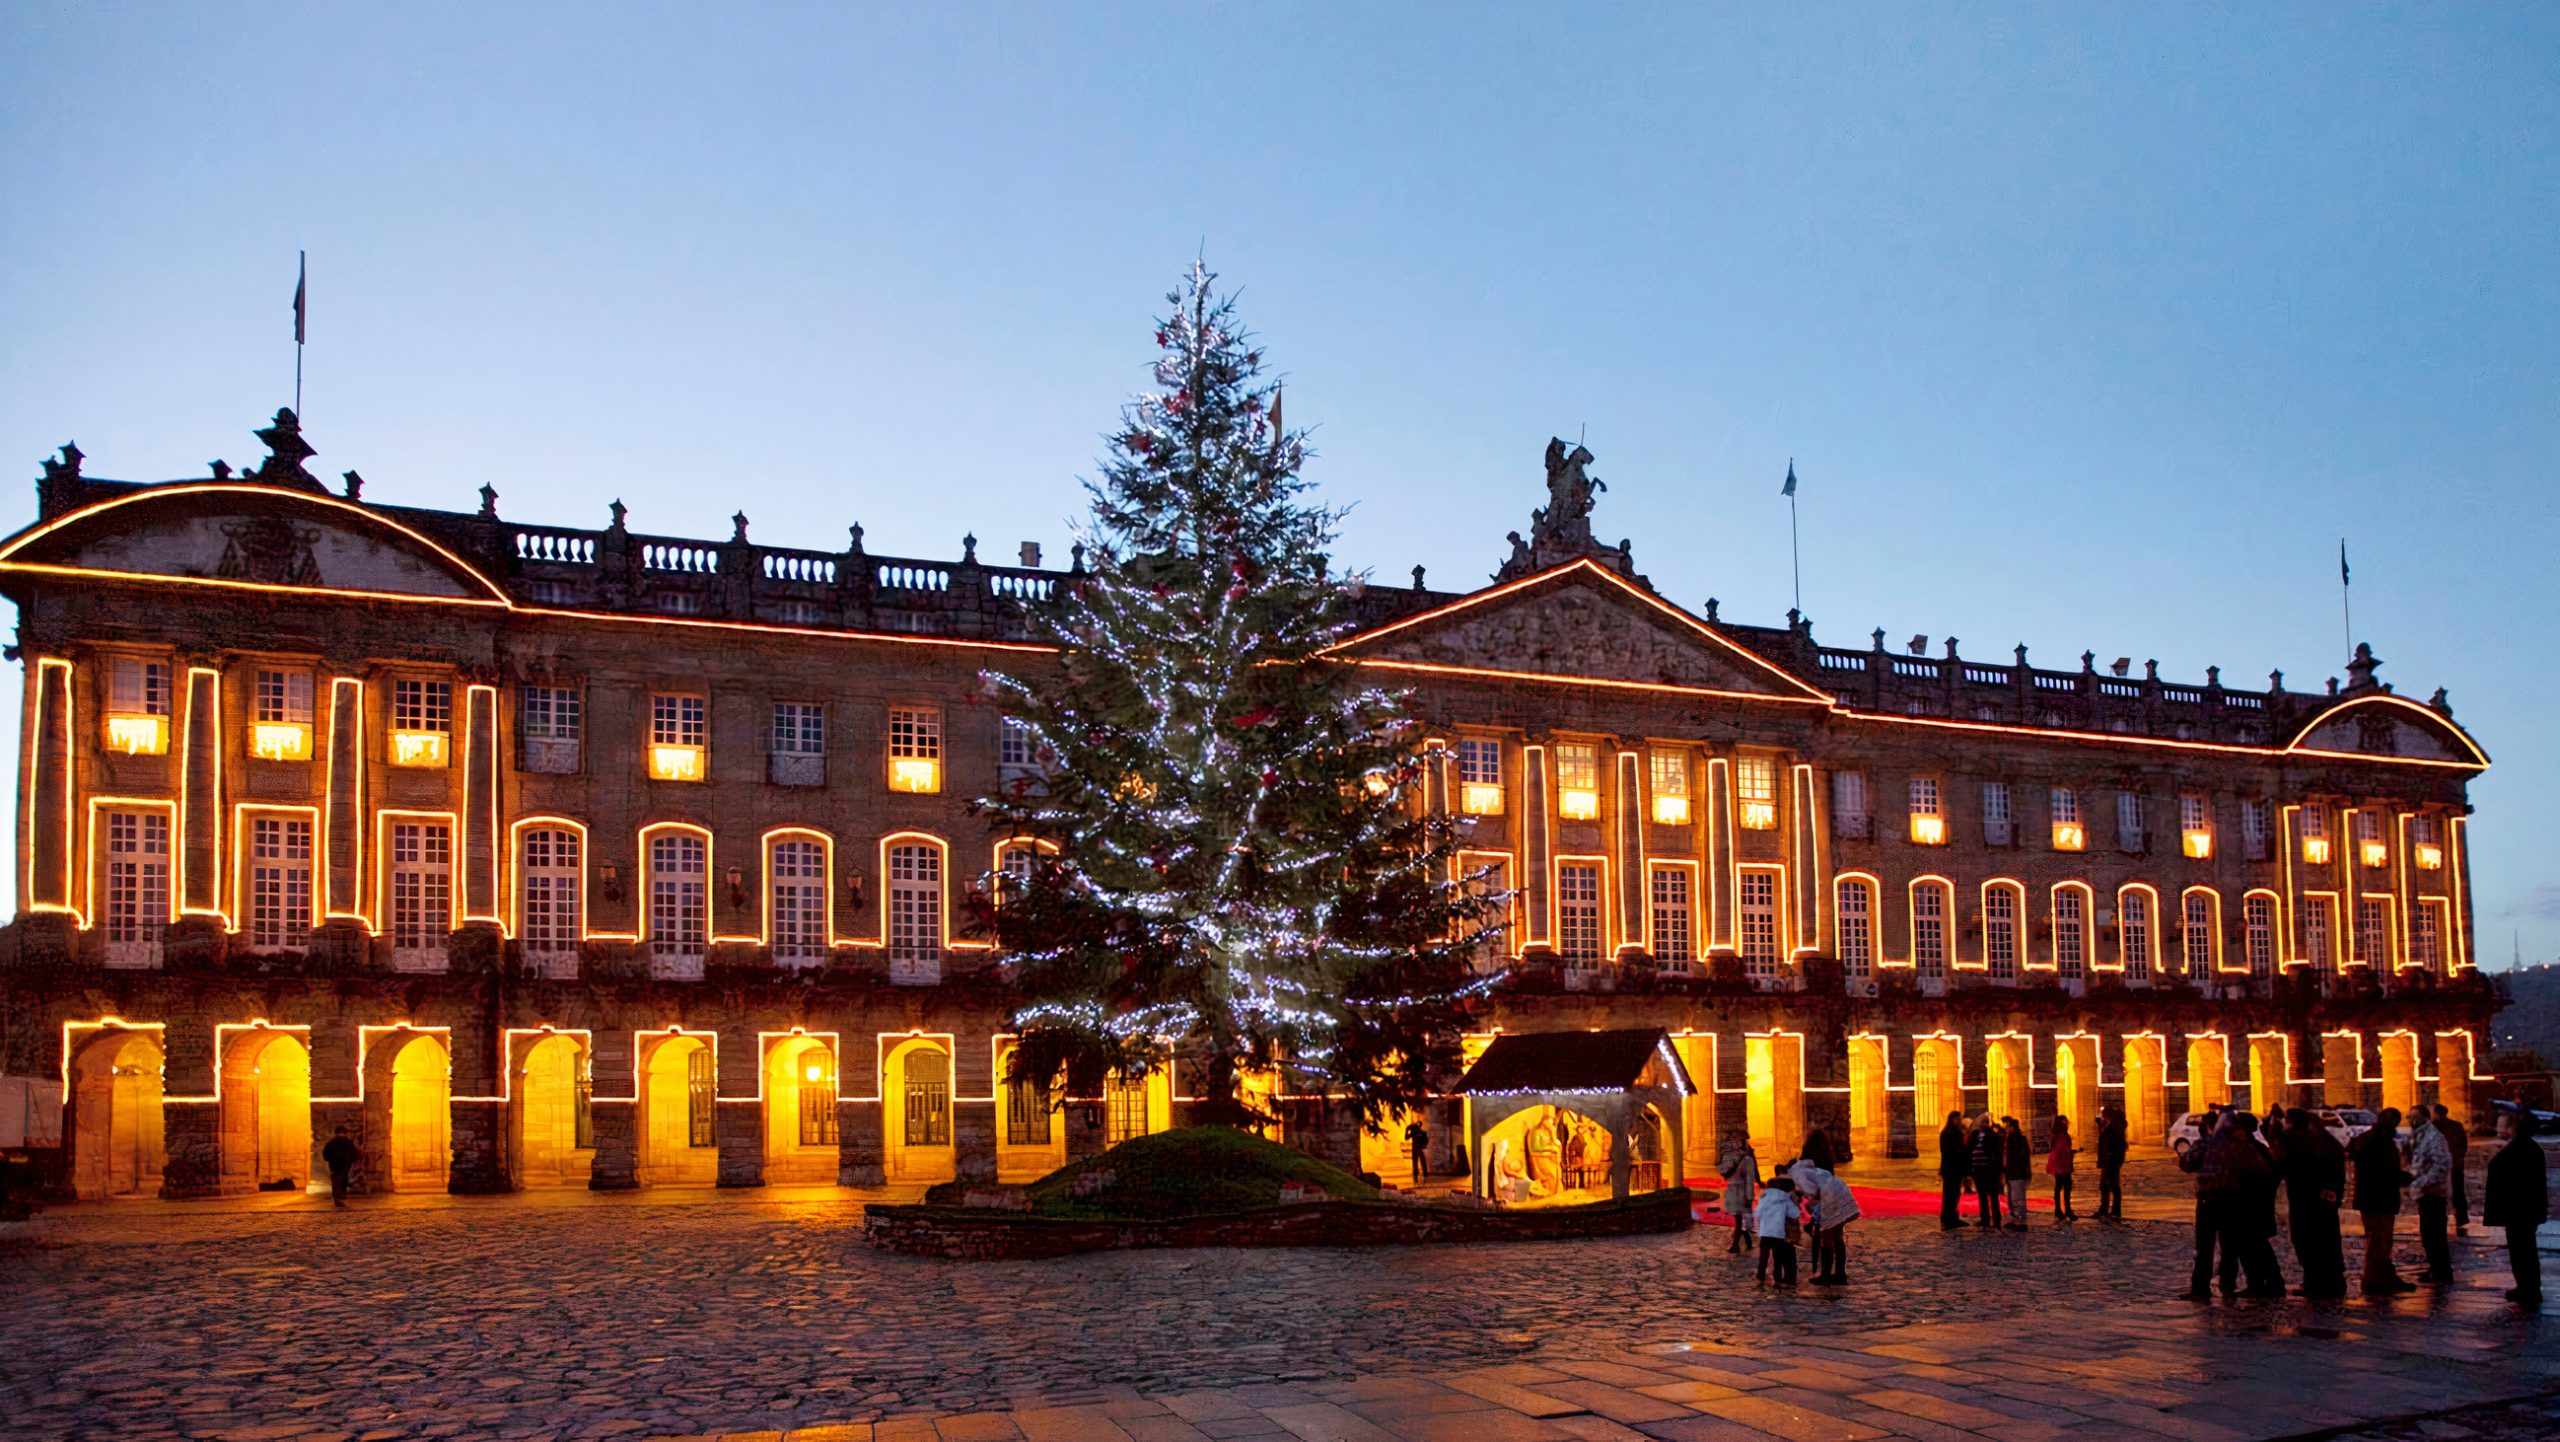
{"points": [[1806, 861], [1720, 857], [2453, 1074], [476, 1116], [861, 1144], [480, 831], [46, 880], [2341, 1077], [1635, 915], [738, 1116], [200, 793], [614, 1108], [343, 823], [191, 1121], [1537, 845], [973, 1111], [334, 1101]]}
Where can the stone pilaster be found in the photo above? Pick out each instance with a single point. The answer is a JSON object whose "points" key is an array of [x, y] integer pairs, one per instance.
{"points": [[200, 793], [47, 845], [343, 819], [480, 831], [861, 1149]]}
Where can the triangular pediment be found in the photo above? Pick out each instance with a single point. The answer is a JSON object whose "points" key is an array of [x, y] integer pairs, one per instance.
{"points": [[249, 535], [1578, 622]]}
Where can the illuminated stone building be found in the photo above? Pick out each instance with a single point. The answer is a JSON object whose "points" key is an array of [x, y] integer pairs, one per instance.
{"points": [[537, 856]]}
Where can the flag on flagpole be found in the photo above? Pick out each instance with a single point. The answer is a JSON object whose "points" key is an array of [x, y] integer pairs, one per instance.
{"points": [[301, 276], [1789, 488], [2342, 563]]}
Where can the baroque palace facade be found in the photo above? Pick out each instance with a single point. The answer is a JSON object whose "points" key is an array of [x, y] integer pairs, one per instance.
{"points": [[534, 856]]}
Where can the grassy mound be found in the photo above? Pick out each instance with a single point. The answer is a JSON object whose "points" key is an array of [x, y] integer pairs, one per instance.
{"points": [[1189, 1172]]}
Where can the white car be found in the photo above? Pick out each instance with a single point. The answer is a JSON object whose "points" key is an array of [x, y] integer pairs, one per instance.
{"points": [[2346, 1123], [2186, 1131]]}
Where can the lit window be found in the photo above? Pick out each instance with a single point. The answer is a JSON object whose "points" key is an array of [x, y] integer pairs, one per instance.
{"points": [[1928, 824], [2133, 934], [280, 723], [2318, 920], [1578, 914], [2427, 845], [2426, 939], [1671, 787], [2315, 836], [1929, 928], [816, 1088], [2000, 932], [137, 880], [799, 902], [915, 749], [2373, 930], [1756, 779], [1849, 804], [2070, 932], [2131, 834], [1577, 781], [679, 903], [1856, 905], [2254, 827], [421, 894], [550, 921], [279, 882], [1013, 744], [137, 706], [915, 913], [1479, 776], [1124, 1108], [2370, 847], [421, 723], [678, 730], [2196, 934], [1674, 943], [2069, 834], [2258, 932], [550, 720], [2195, 827], [1999, 823], [1759, 930]]}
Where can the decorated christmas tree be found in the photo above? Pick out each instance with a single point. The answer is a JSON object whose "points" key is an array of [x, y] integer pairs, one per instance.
{"points": [[1243, 874]]}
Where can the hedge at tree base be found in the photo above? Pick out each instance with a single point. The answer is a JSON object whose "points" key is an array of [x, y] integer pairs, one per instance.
{"points": [[979, 1234]]}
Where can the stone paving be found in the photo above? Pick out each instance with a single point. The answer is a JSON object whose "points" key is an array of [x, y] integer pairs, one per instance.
{"points": [[662, 1314]]}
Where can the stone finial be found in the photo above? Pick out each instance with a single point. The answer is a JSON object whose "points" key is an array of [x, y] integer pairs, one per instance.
{"points": [[1417, 578], [488, 501], [2150, 670], [1951, 649], [2440, 704], [68, 467], [2333, 686], [2089, 663], [969, 549], [854, 531], [1879, 634], [2360, 670], [1713, 606], [2275, 680], [621, 514], [2213, 676], [738, 527], [1075, 553], [221, 470], [355, 486], [2022, 653]]}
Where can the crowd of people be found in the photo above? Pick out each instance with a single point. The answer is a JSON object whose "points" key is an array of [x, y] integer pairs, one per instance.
{"points": [[2241, 1169]]}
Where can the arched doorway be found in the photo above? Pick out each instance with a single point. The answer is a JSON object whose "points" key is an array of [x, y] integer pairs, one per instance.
{"points": [[2075, 1087], [2400, 1071], [554, 1134], [1031, 1135], [1937, 1085], [418, 1113], [2010, 1063], [1870, 1106], [266, 1112], [1385, 1153], [1773, 1100], [2341, 1069], [2270, 1074], [116, 1148], [2146, 1077], [799, 1112], [916, 1112], [2208, 1072], [679, 1126]]}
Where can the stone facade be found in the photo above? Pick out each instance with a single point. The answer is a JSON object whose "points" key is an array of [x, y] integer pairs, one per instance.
{"points": [[469, 836]]}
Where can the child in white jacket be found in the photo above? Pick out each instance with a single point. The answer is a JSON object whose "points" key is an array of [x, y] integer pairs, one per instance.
{"points": [[1834, 1207], [1771, 1216]]}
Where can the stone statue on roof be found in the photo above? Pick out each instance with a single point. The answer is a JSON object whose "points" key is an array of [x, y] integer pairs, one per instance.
{"points": [[1560, 530]]}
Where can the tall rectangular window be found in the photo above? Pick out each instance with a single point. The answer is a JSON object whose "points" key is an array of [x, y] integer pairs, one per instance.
{"points": [[799, 902], [1013, 744], [2196, 933], [137, 910], [1929, 930], [1999, 825], [2258, 933], [421, 722], [679, 903], [1670, 786], [2070, 833], [2313, 824], [137, 706], [928, 1100], [1674, 940], [2070, 933], [817, 1104], [1577, 780], [2371, 849], [2000, 932], [2426, 841], [280, 718], [799, 753], [1578, 913], [1026, 1113], [2256, 826], [550, 921], [421, 894], [2319, 920], [1849, 804], [2133, 934], [1755, 783], [701, 1099], [1758, 910], [2373, 931], [1855, 910], [279, 882], [1928, 822], [2131, 834], [1479, 776], [679, 733], [2195, 827], [915, 912], [550, 723], [915, 749], [1124, 1107], [2426, 936]]}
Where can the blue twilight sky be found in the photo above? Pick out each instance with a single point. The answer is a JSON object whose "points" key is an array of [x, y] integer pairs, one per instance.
{"points": [[2087, 327]]}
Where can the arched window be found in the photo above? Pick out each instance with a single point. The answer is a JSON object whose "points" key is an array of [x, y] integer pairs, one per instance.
{"points": [[1855, 927], [1015, 863], [2200, 930], [679, 902], [1929, 913], [550, 915], [2002, 904], [2134, 935], [797, 896], [915, 911], [2071, 931], [2258, 925]]}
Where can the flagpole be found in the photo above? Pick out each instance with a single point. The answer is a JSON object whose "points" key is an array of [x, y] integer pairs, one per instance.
{"points": [[2346, 596], [1795, 550], [301, 279]]}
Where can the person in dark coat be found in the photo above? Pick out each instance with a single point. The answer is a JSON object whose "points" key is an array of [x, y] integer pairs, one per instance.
{"points": [[2112, 1142], [1986, 1156], [2018, 1168], [2313, 1167], [2457, 1142], [1818, 1150], [2516, 1195], [2214, 1200], [340, 1154], [2379, 1177], [2250, 1219], [1953, 1166]]}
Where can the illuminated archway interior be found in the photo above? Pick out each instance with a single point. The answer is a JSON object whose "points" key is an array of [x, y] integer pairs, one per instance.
{"points": [[799, 1112], [2146, 1076], [2208, 1072], [1937, 1083], [116, 1144], [916, 1112], [1870, 1109], [554, 1141], [266, 1112], [2011, 1068], [1773, 1097], [2075, 1088], [679, 1120], [421, 1116]]}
